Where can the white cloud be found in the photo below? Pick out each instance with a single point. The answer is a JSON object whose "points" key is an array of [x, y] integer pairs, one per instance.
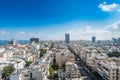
{"points": [[3, 32], [109, 8], [88, 31], [30, 34], [22, 32], [114, 27], [87, 28], [76, 33], [118, 10]]}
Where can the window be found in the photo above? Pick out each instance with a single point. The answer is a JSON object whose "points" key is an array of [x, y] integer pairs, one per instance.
{"points": [[113, 77], [26, 75], [113, 73]]}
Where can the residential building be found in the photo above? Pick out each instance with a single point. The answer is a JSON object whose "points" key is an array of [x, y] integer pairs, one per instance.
{"points": [[6, 55], [72, 70], [34, 73], [0, 75], [109, 68], [63, 57]]}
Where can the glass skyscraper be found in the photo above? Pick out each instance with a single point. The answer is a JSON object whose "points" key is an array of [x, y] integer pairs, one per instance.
{"points": [[67, 38], [93, 39]]}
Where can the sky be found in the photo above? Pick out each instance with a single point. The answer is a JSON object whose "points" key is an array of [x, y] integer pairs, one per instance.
{"points": [[51, 19]]}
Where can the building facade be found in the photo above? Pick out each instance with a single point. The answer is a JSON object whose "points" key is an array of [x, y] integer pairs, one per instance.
{"points": [[109, 68]]}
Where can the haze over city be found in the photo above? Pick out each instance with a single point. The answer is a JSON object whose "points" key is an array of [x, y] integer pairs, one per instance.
{"points": [[51, 19], [59, 39]]}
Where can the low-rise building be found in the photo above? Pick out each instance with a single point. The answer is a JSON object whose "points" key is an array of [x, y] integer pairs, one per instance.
{"points": [[64, 56], [72, 70], [34, 73], [6, 55]]}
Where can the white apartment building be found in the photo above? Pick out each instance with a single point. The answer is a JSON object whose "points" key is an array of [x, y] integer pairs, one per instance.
{"points": [[6, 55], [72, 70], [17, 63], [109, 68], [2, 49], [34, 73]]}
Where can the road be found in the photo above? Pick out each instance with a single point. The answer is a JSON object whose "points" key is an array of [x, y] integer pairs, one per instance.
{"points": [[84, 71], [83, 68]]}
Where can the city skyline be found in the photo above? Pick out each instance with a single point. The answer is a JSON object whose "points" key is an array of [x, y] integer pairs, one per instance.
{"points": [[51, 20]]}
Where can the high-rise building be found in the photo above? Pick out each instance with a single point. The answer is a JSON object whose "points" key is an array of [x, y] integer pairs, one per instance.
{"points": [[114, 40], [67, 38], [93, 39], [13, 42], [36, 40], [118, 41]]}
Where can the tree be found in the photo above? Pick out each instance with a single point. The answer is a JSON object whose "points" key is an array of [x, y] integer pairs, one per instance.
{"points": [[55, 66], [82, 74], [83, 78], [7, 71], [54, 61], [114, 54], [42, 52], [28, 63], [51, 72], [63, 65]]}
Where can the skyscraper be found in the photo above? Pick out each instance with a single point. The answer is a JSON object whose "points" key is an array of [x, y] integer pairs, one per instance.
{"points": [[93, 39], [114, 40], [118, 41], [67, 38], [13, 42], [34, 40]]}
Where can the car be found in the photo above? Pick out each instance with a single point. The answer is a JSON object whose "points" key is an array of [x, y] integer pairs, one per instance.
{"points": [[87, 70], [78, 59]]}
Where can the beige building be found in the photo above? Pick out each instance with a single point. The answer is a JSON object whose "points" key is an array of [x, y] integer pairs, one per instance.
{"points": [[72, 70], [62, 58], [109, 68]]}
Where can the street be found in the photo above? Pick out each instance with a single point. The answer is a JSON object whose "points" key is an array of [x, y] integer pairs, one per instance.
{"points": [[82, 68], [86, 73]]}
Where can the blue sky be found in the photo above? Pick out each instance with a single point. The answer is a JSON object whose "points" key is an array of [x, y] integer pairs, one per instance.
{"points": [[51, 19]]}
